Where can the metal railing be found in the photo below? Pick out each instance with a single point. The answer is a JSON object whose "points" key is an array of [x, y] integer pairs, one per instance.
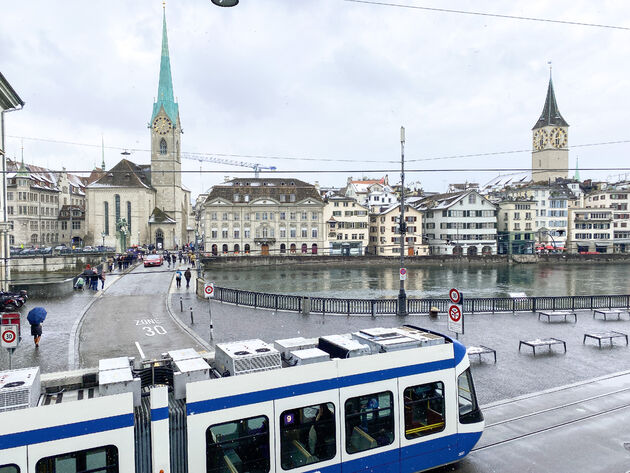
{"points": [[376, 307]]}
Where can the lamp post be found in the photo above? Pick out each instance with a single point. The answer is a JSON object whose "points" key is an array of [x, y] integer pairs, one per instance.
{"points": [[103, 237], [402, 296]]}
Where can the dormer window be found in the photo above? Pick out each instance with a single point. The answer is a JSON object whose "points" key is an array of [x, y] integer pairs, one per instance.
{"points": [[163, 147]]}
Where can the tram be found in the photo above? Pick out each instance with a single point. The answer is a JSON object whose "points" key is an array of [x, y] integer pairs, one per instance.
{"points": [[383, 400]]}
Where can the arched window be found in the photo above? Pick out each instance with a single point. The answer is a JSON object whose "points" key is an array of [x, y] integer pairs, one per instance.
{"points": [[129, 217], [117, 207], [214, 250], [106, 215], [236, 249], [314, 248], [292, 248], [162, 146], [247, 248], [34, 238], [225, 249], [283, 248], [304, 248]]}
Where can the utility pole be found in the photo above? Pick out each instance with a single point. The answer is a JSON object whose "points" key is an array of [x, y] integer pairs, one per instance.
{"points": [[402, 296]]}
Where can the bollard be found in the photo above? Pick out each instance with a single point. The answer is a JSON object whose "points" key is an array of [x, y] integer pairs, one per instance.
{"points": [[181, 304], [192, 320]]}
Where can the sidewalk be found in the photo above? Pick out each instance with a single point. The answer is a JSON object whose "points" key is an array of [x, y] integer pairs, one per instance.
{"points": [[515, 373]]}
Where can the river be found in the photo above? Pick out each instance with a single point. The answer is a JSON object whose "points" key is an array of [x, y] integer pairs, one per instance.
{"points": [[430, 282]]}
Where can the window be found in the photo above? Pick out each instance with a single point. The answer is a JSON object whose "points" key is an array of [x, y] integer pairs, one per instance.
{"points": [[238, 446], [214, 232], [307, 435], [292, 232], [424, 410], [304, 216], [283, 232], [313, 232], [163, 148], [237, 233], [283, 215], [225, 216], [129, 217], [106, 222], [213, 216], [9, 469], [76, 225], [95, 460], [313, 215], [304, 232], [369, 421], [224, 233], [117, 207]]}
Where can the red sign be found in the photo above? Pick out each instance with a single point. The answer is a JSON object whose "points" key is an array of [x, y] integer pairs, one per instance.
{"points": [[455, 296], [455, 313]]}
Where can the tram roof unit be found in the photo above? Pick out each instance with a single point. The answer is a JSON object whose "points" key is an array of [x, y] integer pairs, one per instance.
{"points": [[333, 361]]}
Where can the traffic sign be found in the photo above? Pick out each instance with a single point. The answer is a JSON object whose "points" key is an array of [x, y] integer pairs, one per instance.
{"points": [[9, 336], [208, 290], [455, 295], [456, 318], [403, 274]]}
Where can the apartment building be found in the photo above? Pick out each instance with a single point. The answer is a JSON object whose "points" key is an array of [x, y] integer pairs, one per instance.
{"points": [[385, 232], [615, 198], [347, 222], [590, 230], [460, 223], [515, 226]]}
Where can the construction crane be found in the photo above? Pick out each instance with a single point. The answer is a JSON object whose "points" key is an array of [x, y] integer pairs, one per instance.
{"points": [[257, 167]]}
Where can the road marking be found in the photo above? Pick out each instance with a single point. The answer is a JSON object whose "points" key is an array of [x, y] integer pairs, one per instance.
{"points": [[140, 351]]}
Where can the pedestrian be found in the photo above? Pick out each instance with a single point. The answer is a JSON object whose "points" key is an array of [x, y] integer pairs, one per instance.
{"points": [[36, 317], [187, 275], [167, 257], [101, 276], [178, 278], [119, 261], [181, 257], [36, 332]]}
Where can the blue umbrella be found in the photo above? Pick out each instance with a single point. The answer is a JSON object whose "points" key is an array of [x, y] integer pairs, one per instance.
{"points": [[36, 315]]}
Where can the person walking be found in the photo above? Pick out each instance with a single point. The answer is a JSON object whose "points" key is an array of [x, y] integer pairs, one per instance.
{"points": [[36, 317], [187, 275], [178, 278], [101, 276]]}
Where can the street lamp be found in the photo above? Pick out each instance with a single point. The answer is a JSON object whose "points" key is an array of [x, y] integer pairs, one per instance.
{"points": [[402, 296], [225, 3], [103, 237]]}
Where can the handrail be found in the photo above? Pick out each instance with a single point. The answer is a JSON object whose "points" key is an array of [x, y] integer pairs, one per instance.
{"points": [[375, 307]]}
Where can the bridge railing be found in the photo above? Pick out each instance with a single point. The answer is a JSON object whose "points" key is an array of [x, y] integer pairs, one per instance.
{"points": [[376, 307]]}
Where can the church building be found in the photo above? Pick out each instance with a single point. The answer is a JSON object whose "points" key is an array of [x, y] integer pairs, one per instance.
{"points": [[137, 204], [550, 138]]}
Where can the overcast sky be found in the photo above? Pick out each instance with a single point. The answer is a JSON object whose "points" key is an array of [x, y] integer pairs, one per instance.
{"points": [[324, 83]]}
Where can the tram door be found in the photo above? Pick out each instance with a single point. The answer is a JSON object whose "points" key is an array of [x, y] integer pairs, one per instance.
{"points": [[13, 459], [369, 427], [308, 432], [428, 419]]}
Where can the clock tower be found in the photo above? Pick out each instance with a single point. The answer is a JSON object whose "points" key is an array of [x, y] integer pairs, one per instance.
{"points": [[171, 201], [550, 135]]}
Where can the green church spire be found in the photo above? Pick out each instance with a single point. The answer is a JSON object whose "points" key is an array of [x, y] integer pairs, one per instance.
{"points": [[577, 170], [165, 96]]}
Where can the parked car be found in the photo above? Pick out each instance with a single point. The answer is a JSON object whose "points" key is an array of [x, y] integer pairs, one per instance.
{"points": [[88, 248], [153, 260]]}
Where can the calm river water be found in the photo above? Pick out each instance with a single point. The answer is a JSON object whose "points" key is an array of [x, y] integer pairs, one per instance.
{"points": [[431, 281]]}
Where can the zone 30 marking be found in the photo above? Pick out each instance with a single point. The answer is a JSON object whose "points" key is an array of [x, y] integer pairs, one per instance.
{"points": [[151, 327]]}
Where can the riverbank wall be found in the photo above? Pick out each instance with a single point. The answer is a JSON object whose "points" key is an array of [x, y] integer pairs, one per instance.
{"points": [[410, 261], [54, 263]]}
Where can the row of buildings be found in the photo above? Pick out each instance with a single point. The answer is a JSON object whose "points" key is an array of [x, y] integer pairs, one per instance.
{"points": [[141, 204]]}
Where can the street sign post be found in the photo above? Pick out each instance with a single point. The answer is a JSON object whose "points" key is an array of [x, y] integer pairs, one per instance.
{"points": [[208, 292], [10, 339], [403, 274], [456, 312]]}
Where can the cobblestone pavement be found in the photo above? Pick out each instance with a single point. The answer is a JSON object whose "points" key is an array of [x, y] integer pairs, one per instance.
{"points": [[514, 374]]}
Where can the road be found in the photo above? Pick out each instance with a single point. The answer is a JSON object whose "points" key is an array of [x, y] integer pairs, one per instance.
{"points": [[130, 319]]}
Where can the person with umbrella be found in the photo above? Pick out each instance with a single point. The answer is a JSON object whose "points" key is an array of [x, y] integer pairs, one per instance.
{"points": [[35, 317]]}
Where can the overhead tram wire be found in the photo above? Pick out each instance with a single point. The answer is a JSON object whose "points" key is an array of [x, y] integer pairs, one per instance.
{"points": [[310, 158], [487, 14]]}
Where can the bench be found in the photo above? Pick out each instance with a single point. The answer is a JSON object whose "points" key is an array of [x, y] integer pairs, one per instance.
{"points": [[542, 342], [599, 336], [558, 313], [304, 457], [607, 312], [482, 350], [361, 440]]}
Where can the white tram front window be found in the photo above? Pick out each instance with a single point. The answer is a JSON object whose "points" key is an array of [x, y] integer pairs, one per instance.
{"points": [[467, 400], [9, 469], [238, 446], [307, 435], [424, 410], [95, 460], [369, 421]]}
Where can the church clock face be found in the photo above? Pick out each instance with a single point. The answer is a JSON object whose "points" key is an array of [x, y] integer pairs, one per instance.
{"points": [[540, 139], [558, 138], [162, 125]]}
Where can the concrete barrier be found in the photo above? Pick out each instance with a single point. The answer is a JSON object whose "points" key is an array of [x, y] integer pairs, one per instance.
{"points": [[46, 289]]}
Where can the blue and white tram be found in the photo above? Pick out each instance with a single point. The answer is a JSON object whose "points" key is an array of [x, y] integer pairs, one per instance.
{"points": [[400, 411]]}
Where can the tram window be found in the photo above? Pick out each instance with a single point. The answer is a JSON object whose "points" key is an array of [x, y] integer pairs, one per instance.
{"points": [[369, 421], [468, 408], [94, 460], [424, 410], [9, 469], [238, 446], [307, 435]]}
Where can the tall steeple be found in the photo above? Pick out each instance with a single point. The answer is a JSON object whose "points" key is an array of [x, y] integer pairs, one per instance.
{"points": [[165, 97], [577, 170], [550, 115]]}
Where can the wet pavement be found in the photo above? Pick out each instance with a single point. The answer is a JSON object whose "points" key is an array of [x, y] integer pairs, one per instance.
{"points": [[515, 373], [130, 319], [63, 312]]}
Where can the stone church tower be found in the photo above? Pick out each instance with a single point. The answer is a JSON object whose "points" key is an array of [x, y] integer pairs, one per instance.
{"points": [[170, 216], [550, 138]]}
